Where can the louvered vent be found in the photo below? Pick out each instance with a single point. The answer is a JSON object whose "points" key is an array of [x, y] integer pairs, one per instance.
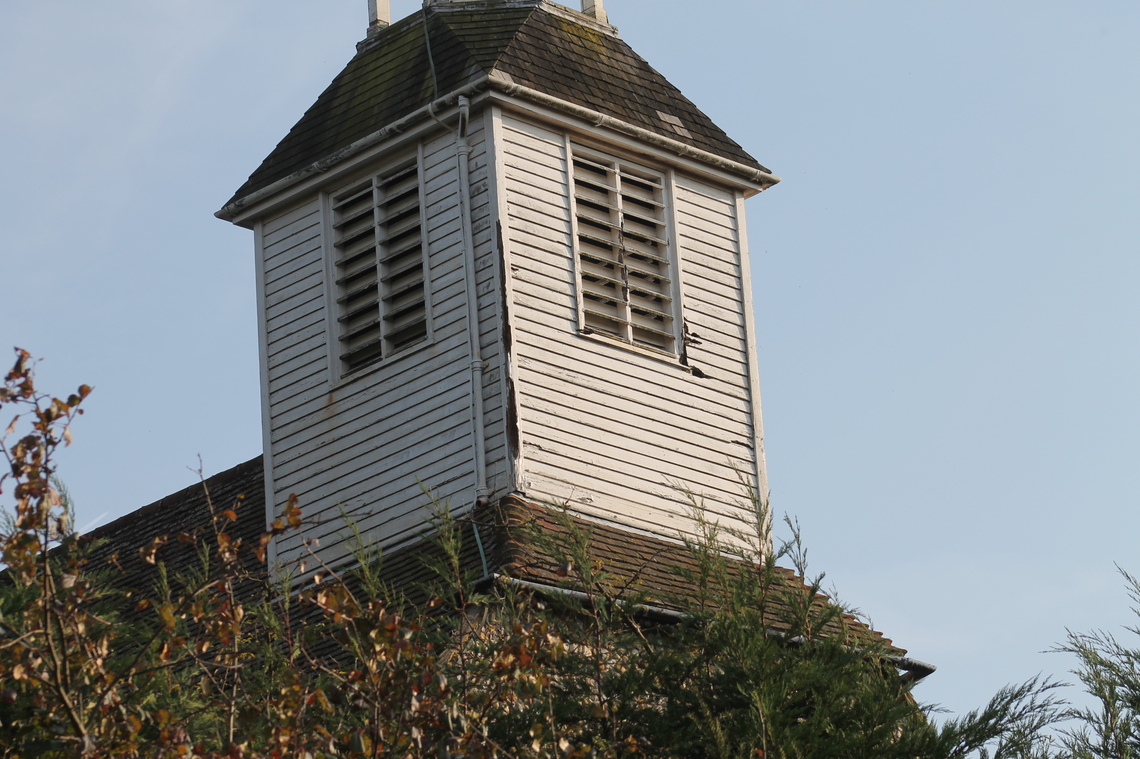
{"points": [[623, 255], [377, 231], [400, 230]]}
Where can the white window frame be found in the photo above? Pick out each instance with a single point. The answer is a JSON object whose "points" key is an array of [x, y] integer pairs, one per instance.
{"points": [[341, 368], [647, 317]]}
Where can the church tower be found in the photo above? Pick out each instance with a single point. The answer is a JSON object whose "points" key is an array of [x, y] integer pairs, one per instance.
{"points": [[502, 256]]}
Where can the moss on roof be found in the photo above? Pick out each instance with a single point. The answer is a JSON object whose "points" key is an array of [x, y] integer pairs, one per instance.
{"points": [[391, 76]]}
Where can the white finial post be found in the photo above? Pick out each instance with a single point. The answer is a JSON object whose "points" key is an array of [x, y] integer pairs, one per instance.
{"points": [[594, 8], [379, 14]]}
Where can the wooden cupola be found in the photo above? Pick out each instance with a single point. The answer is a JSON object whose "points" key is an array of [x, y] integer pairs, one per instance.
{"points": [[502, 256]]}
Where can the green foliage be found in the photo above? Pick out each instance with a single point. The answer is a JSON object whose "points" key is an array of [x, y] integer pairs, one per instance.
{"points": [[750, 664], [1110, 673]]}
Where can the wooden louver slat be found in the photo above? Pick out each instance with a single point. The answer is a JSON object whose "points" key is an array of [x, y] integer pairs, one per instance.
{"points": [[400, 229], [623, 253], [354, 236], [377, 233]]}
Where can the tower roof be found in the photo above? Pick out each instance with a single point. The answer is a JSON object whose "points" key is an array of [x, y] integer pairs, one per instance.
{"points": [[532, 43]]}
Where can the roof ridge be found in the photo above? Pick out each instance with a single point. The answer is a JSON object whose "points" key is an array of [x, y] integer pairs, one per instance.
{"points": [[466, 39], [555, 9], [447, 6], [442, 8], [378, 38], [578, 17], [509, 47]]}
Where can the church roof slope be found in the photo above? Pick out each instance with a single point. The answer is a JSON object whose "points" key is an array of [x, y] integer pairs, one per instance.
{"points": [[653, 569], [536, 44], [662, 572], [186, 513], [574, 62]]}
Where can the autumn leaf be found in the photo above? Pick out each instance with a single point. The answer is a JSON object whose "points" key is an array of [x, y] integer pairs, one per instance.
{"points": [[148, 552]]}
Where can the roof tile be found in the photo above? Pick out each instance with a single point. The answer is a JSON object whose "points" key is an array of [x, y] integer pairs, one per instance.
{"points": [[391, 76], [653, 568], [241, 488]]}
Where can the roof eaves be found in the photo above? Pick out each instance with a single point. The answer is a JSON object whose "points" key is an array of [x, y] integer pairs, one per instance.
{"points": [[649, 568], [915, 670], [503, 83], [363, 104], [234, 209]]}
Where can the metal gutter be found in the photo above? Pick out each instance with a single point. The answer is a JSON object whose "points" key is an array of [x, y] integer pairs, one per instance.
{"points": [[657, 611], [478, 431], [915, 670], [502, 83]]}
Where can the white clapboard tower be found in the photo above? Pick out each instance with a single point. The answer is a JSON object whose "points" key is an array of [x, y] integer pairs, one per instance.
{"points": [[502, 256]]}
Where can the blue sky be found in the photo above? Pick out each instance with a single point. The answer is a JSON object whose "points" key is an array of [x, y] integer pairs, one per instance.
{"points": [[945, 281]]}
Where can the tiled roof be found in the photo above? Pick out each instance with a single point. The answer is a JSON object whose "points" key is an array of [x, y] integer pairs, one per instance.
{"points": [[647, 566], [656, 570], [535, 44], [241, 489], [599, 71]]}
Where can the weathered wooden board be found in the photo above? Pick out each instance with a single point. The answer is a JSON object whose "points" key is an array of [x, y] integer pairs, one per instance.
{"points": [[608, 426], [361, 442]]}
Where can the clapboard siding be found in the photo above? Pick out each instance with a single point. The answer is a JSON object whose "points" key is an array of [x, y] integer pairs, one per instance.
{"points": [[364, 491], [295, 299], [449, 451], [337, 540], [659, 452], [354, 400], [321, 429], [615, 431], [287, 263], [290, 229], [623, 368], [580, 487], [601, 471], [297, 390], [710, 247], [709, 290], [599, 391], [301, 312], [654, 436], [612, 430], [350, 431], [363, 511], [358, 462], [362, 445]]}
